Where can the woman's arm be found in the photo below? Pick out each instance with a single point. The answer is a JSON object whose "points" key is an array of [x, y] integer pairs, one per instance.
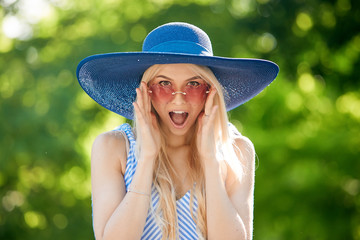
{"points": [[241, 192], [117, 214], [230, 203]]}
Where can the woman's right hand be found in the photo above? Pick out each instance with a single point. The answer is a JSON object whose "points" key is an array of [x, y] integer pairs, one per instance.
{"points": [[148, 129]]}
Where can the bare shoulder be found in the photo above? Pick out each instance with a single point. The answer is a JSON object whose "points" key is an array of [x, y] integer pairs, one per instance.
{"points": [[242, 179], [109, 148], [241, 186], [245, 152], [108, 161]]}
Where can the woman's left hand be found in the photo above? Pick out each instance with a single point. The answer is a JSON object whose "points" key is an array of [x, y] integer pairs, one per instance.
{"points": [[205, 135]]}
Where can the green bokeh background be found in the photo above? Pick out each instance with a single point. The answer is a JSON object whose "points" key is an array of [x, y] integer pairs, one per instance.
{"points": [[305, 125]]}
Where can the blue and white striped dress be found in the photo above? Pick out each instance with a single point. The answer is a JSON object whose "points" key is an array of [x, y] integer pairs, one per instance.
{"points": [[187, 226]]}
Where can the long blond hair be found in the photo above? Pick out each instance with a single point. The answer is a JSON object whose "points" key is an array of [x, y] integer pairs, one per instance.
{"points": [[164, 172]]}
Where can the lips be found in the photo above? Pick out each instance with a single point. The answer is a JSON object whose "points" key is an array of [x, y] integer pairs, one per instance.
{"points": [[178, 117]]}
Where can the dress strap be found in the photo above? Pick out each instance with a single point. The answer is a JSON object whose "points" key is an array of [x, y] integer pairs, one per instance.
{"points": [[131, 162]]}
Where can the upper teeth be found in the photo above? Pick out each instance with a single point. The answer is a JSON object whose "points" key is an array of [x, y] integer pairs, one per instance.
{"points": [[178, 112]]}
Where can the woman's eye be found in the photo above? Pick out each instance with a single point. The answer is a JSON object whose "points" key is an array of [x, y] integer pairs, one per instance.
{"points": [[194, 84], [165, 83]]}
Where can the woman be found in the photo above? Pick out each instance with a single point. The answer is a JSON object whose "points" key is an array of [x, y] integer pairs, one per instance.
{"points": [[186, 173]]}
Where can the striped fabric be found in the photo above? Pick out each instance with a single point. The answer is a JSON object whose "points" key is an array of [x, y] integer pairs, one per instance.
{"points": [[187, 227]]}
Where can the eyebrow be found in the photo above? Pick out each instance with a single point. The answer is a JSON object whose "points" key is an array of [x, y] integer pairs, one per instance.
{"points": [[192, 78]]}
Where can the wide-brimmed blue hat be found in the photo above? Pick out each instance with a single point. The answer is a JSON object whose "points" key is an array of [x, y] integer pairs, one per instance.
{"points": [[111, 79]]}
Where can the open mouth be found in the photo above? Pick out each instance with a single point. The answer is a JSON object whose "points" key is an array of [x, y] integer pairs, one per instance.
{"points": [[178, 117]]}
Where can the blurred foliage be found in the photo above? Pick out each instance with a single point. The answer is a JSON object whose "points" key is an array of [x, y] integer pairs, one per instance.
{"points": [[305, 125]]}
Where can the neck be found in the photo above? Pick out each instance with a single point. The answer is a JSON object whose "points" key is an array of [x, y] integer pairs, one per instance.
{"points": [[174, 141], [177, 148]]}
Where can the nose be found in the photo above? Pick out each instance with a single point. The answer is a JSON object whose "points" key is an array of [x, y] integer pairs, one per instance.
{"points": [[179, 97], [183, 93]]}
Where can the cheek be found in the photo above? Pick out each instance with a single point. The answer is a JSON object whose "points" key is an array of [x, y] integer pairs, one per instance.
{"points": [[197, 108], [155, 98], [157, 107], [201, 104]]}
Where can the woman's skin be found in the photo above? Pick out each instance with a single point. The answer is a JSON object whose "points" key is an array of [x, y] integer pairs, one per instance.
{"points": [[229, 202]]}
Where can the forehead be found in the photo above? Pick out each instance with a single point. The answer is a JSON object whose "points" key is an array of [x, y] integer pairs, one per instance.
{"points": [[177, 71]]}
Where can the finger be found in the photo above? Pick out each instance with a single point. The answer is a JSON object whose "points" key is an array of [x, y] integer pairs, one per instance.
{"points": [[201, 119], [213, 113], [147, 99], [209, 101], [138, 113], [154, 121], [139, 98], [140, 120], [143, 124], [210, 119], [144, 100]]}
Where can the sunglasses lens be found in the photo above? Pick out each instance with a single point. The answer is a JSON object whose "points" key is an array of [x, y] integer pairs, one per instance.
{"points": [[165, 93], [161, 93], [196, 94]]}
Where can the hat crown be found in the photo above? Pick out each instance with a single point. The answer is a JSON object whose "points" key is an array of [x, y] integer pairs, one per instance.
{"points": [[177, 37]]}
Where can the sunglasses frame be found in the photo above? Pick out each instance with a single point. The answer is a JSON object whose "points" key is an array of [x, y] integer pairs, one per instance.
{"points": [[173, 93]]}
